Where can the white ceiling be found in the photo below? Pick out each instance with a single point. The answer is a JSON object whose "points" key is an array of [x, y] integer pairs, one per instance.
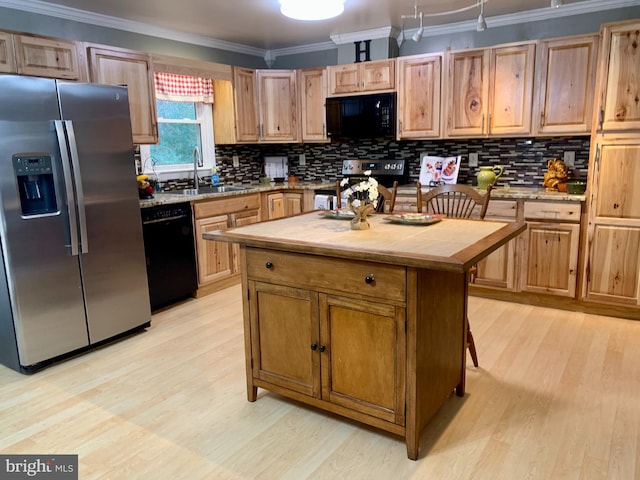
{"points": [[258, 24]]}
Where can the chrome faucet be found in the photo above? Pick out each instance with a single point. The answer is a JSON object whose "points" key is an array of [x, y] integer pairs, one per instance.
{"points": [[196, 163]]}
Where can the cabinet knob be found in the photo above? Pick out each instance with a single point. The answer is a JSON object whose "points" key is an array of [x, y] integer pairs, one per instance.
{"points": [[322, 348], [314, 346], [268, 265], [369, 279]]}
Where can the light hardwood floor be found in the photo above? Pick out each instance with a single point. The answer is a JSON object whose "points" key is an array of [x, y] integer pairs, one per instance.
{"points": [[557, 396]]}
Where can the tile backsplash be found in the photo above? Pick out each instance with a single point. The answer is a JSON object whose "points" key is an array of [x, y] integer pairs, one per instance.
{"points": [[524, 159]]}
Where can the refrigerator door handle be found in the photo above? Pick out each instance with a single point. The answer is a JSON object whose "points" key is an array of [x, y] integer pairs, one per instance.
{"points": [[68, 182], [75, 161]]}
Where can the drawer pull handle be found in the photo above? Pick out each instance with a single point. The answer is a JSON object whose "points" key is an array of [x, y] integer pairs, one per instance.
{"points": [[369, 279], [322, 348], [314, 346], [268, 265]]}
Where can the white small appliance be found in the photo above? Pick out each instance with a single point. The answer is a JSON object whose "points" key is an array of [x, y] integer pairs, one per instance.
{"points": [[276, 167]]}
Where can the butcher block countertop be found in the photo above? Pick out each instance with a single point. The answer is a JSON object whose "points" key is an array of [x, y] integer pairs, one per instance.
{"points": [[451, 244]]}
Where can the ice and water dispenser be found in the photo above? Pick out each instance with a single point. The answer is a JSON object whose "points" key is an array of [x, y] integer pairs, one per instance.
{"points": [[34, 174]]}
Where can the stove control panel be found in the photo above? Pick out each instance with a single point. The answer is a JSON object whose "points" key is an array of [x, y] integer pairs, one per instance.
{"points": [[377, 167]]}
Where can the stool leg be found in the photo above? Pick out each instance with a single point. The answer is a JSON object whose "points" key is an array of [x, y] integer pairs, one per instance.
{"points": [[471, 345]]}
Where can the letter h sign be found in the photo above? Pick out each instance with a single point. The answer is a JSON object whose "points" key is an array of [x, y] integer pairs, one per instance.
{"points": [[360, 50]]}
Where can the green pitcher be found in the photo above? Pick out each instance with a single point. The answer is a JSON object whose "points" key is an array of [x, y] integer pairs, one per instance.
{"points": [[488, 176]]}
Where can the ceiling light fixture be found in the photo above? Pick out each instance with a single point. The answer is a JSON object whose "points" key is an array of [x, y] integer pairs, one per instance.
{"points": [[311, 10], [556, 3], [482, 24], [418, 35]]}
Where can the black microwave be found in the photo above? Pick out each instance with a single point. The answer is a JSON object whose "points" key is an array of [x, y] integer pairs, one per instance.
{"points": [[362, 116]]}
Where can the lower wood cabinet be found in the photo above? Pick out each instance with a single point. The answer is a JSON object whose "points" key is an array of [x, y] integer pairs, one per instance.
{"points": [[550, 248], [218, 261], [282, 204], [550, 258], [498, 270], [342, 350]]}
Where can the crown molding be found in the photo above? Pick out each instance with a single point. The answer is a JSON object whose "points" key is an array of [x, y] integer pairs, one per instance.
{"points": [[73, 14], [382, 32], [82, 16]]}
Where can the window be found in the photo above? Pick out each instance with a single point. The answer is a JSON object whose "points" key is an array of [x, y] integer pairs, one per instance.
{"points": [[182, 126]]}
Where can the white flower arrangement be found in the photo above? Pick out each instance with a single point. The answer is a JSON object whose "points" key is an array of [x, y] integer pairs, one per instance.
{"points": [[362, 193]]}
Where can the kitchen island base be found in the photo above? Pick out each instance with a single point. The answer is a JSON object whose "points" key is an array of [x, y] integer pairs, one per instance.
{"points": [[368, 324], [388, 352]]}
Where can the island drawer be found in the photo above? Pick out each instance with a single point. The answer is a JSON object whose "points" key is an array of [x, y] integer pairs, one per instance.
{"points": [[327, 274]]}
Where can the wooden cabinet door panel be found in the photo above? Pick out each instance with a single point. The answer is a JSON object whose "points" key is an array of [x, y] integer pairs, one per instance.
{"points": [[278, 105], [344, 78], [214, 258], [240, 220], [363, 366], [378, 75], [275, 205], [419, 80], [551, 258], [43, 57], [468, 92], [614, 265], [7, 57], [246, 110], [498, 269], [114, 67], [618, 181], [622, 89], [565, 86], [511, 90], [313, 94], [284, 324], [292, 204]]}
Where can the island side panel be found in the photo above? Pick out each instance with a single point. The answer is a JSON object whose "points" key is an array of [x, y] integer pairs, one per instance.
{"points": [[440, 340], [252, 390]]}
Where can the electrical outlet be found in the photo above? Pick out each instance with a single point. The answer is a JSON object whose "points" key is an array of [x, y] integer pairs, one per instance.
{"points": [[236, 161], [473, 159], [302, 161], [570, 159]]}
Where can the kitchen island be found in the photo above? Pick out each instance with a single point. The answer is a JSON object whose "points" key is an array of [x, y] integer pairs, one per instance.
{"points": [[368, 324]]}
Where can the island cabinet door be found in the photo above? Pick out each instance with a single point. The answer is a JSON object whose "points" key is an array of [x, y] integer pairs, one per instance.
{"points": [[285, 337], [363, 358]]}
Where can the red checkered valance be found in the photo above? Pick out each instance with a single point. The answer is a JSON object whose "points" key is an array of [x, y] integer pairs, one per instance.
{"points": [[183, 88]]}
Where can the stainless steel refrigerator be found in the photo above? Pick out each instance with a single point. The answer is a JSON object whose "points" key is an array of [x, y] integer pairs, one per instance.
{"points": [[73, 268]]}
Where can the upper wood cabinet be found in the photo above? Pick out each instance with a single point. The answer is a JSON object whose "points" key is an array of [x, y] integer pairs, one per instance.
{"points": [[7, 55], [419, 81], [619, 91], [46, 57], [265, 105], [362, 77], [490, 91], [114, 66], [246, 104], [39, 56], [278, 105], [312, 88], [565, 78]]}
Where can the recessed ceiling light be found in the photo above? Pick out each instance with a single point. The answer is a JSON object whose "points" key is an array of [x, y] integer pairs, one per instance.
{"points": [[311, 10]]}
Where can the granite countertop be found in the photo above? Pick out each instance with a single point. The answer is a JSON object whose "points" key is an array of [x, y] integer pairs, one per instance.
{"points": [[513, 193], [166, 198], [498, 193]]}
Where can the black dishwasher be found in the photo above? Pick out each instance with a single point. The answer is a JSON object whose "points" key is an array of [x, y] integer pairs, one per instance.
{"points": [[170, 251]]}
